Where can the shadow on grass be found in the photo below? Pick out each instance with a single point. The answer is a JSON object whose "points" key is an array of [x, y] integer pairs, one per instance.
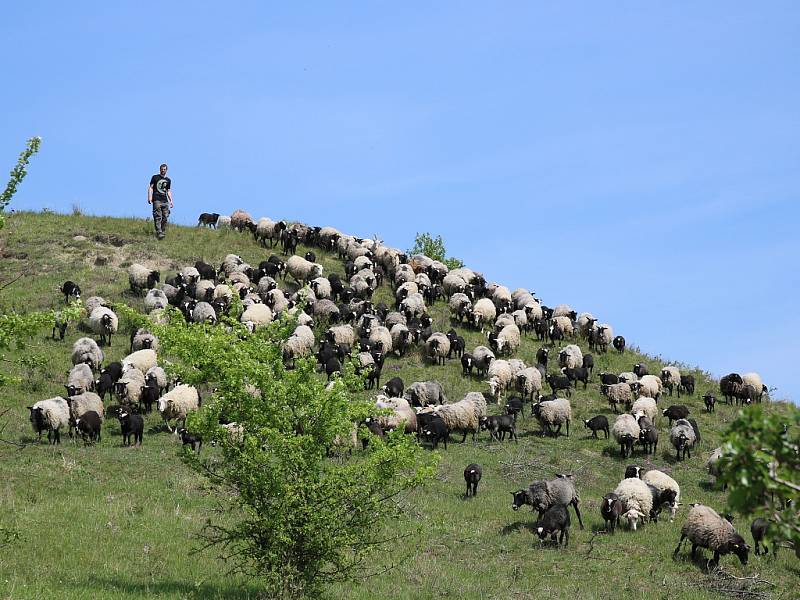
{"points": [[107, 586], [519, 526]]}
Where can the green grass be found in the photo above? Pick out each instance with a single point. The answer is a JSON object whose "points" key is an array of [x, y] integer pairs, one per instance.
{"points": [[108, 521]]}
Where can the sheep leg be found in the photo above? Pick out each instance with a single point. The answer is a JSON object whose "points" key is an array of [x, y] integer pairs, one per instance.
{"points": [[575, 503]]}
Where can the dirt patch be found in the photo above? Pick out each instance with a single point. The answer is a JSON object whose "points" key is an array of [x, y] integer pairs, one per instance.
{"points": [[16, 255], [111, 239]]}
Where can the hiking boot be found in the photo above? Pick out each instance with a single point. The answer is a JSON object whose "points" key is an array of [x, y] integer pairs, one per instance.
{"points": [[160, 236]]}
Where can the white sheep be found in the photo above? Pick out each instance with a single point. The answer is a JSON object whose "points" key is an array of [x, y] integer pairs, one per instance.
{"points": [[626, 432], [50, 415], [159, 376], [529, 382], [322, 288], [238, 277], [649, 386], [86, 350], [382, 335], [404, 414], [155, 299], [453, 283], [256, 315], [585, 322], [400, 338], [712, 464], [570, 357], [143, 339], [204, 290], [404, 290], [617, 393], [464, 415], [500, 376], [178, 403], [484, 311], [562, 325], [508, 340], [501, 297], [705, 528], [637, 500], [141, 278], [341, 334], [754, 379], [647, 407], [437, 346], [79, 380], [553, 413], [224, 222], [93, 302], [143, 360], [413, 306], [521, 298], [83, 403], [671, 378], [302, 270], [562, 310], [129, 387], [103, 322], [203, 312], [362, 262], [483, 358], [663, 482], [682, 437], [241, 219], [230, 262]]}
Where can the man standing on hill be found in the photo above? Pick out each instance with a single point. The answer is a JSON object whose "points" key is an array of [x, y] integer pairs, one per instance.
{"points": [[159, 194]]}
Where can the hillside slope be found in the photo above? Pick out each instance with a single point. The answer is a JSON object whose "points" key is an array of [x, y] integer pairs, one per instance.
{"points": [[110, 521]]}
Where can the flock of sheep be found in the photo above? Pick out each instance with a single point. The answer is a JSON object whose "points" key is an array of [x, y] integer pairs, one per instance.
{"points": [[350, 327]]}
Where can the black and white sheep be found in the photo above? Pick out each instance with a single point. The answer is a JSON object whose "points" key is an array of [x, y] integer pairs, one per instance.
{"points": [[472, 476], [178, 403], [141, 278], [682, 437], [611, 510], [79, 380], [103, 321], [637, 500], [464, 415], [542, 494], [667, 488], [50, 415], [705, 528], [553, 413]]}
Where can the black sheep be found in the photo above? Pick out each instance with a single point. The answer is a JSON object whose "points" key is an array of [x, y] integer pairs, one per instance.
{"points": [[611, 509], [435, 431], [541, 356], [648, 438], [554, 521], [70, 289], [709, 400], [687, 384], [588, 363], [633, 472], [190, 439], [467, 363], [104, 385], [88, 426], [759, 529], [472, 476], [675, 412], [598, 423], [559, 382], [149, 396], [608, 378], [208, 220], [577, 374], [498, 426], [394, 388], [333, 366], [619, 344], [640, 370], [514, 407], [131, 425]]}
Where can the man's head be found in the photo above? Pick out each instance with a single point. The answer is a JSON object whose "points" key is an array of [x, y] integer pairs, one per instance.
{"points": [[163, 169]]}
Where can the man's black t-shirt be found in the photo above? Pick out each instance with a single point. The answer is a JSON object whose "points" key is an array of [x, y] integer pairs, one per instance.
{"points": [[160, 187]]}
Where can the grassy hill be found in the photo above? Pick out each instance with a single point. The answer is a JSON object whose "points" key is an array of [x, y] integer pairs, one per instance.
{"points": [[109, 521]]}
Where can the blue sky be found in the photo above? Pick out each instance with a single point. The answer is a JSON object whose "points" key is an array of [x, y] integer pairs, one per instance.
{"points": [[637, 160]]}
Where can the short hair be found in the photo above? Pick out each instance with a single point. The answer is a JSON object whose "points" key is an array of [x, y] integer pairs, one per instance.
{"points": [[162, 165]]}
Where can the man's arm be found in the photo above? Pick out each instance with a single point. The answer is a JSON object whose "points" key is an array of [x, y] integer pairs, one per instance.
{"points": [[150, 193], [169, 194]]}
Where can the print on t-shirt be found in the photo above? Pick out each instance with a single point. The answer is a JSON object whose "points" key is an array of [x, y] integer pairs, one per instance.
{"points": [[161, 186]]}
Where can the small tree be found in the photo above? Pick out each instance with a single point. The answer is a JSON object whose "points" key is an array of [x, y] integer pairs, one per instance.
{"points": [[290, 511], [18, 174], [433, 247], [761, 465]]}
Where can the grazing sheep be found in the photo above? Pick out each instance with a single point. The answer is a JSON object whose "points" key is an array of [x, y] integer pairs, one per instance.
{"points": [[50, 415], [178, 403], [500, 376], [682, 437], [646, 406], [553, 413], [141, 278], [482, 358], [598, 423], [103, 322], [611, 509], [86, 350], [570, 357], [143, 360], [649, 386], [266, 229], [93, 302], [79, 380], [617, 393], [528, 382], [472, 476], [664, 483], [425, 393], [671, 378], [555, 521], [542, 495], [758, 529], [637, 500], [88, 426], [403, 414], [154, 300], [706, 529], [464, 415], [241, 220], [625, 431]]}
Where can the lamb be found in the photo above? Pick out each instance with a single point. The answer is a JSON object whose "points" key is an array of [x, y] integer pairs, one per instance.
{"points": [[472, 476], [611, 509], [671, 378], [713, 463], [528, 382], [103, 322], [482, 358], [141, 278], [88, 426], [50, 415], [619, 344], [664, 483], [158, 376], [302, 270], [500, 376], [128, 388], [617, 393], [706, 529], [86, 350], [646, 406], [709, 400], [241, 219], [464, 415], [143, 360], [554, 521], [499, 425], [541, 495], [256, 315], [508, 340], [178, 403], [425, 393], [637, 500], [403, 414], [79, 380], [155, 299], [682, 437], [626, 431], [649, 386], [570, 357], [484, 311], [598, 423], [203, 312], [83, 403], [144, 340], [553, 413]]}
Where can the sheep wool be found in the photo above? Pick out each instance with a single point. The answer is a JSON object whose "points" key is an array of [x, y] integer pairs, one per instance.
{"points": [[93, 302], [129, 388], [705, 528], [204, 313], [96, 321], [55, 413], [483, 358], [464, 415], [241, 219], [637, 500], [382, 335], [650, 386], [177, 403], [562, 310], [414, 305], [144, 340], [554, 413], [403, 413], [571, 357], [624, 425], [646, 406], [141, 278], [302, 270], [661, 481], [341, 334], [682, 427], [484, 311], [618, 393], [83, 403], [155, 299], [508, 340], [753, 379], [438, 346], [500, 376], [143, 360], [257, 314], [80, 379], [529, 381], [425, 393], [86, 350]]}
